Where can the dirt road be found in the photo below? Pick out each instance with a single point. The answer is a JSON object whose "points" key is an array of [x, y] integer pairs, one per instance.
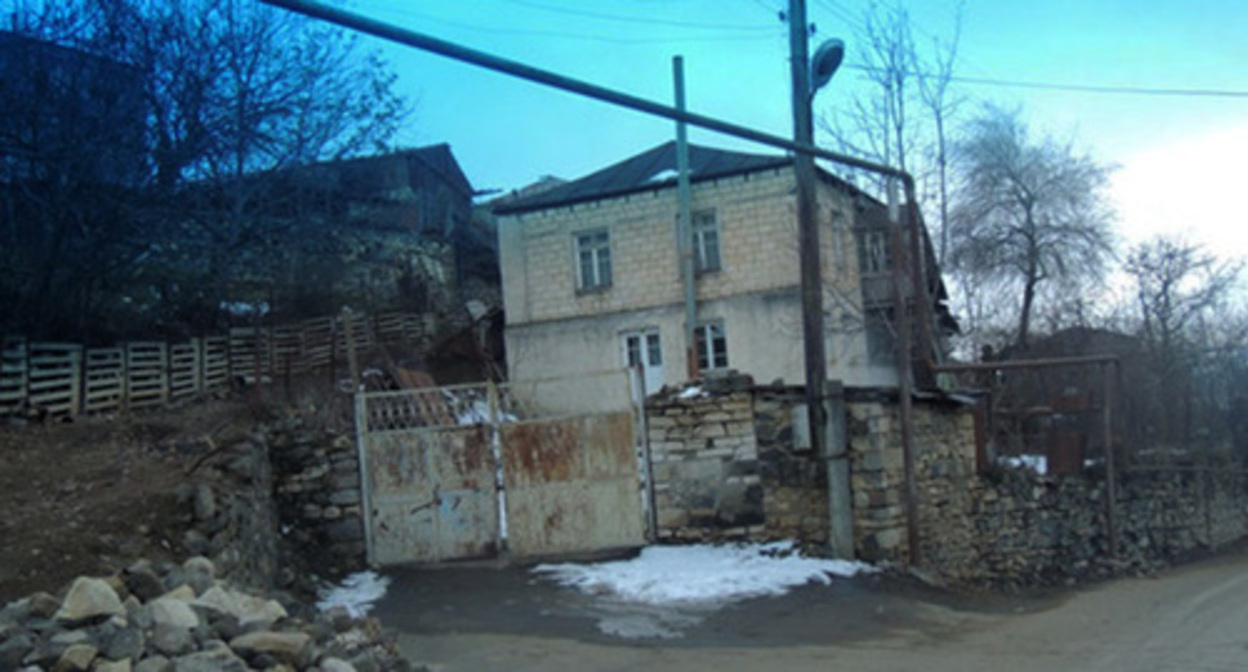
{"points": [[1193, 618]]}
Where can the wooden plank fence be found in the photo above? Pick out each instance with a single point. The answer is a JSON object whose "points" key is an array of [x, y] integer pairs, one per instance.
{"points": [[65, 379]]}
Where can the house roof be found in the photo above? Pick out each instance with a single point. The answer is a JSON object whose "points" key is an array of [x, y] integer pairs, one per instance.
{"points": [[648, 170], [439, 158]]}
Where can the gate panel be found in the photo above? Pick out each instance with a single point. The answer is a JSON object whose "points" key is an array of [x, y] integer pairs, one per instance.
{"points": [[572, 485], [431, 494]]}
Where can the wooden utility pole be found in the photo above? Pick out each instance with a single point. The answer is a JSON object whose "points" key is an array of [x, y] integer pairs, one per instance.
{"points": [[816, 363]]}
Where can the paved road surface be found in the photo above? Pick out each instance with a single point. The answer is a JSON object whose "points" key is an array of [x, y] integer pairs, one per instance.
{"points": [[1193, 618]]}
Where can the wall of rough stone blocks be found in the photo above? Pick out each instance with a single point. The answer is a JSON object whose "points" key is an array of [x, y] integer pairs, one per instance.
{"points": [[944, 441], [705, 467], [725, 466], [316, 492], [1039, 529]]}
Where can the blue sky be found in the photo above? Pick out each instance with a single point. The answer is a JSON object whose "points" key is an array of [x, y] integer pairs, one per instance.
{"points": [[1178, 157]]}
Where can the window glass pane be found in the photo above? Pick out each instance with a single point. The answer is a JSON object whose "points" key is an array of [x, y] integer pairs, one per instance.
{"points": [[633, 347], [712, 344], [706, 241], [653, 351], [719, 346], [594, 257], [587, 269], [604, 266]]}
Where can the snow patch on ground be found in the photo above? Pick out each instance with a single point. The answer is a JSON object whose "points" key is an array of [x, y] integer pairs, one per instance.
{"points": [[690, 575], [357, 593]]}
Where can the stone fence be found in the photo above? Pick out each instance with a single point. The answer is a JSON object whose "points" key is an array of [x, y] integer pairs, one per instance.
{"points": [[277, 506], [729, 463]]}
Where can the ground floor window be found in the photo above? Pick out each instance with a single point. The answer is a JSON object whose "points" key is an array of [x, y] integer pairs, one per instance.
{"points": [[712, 343], [881, 336]]}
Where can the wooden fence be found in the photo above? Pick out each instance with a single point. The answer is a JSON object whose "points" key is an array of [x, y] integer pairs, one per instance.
{"points": [[66, 379]]}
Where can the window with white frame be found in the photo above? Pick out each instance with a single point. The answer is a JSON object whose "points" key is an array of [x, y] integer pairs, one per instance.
{"points": [[875, 255], [706, 241], [712, 345], [593, 260]]}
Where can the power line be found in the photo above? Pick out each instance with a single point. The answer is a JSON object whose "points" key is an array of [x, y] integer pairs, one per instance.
{"points": [[1082, 88], [479, 28], [633, 19]]}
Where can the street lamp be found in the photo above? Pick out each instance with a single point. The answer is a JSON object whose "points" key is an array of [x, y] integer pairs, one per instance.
{"points": [[827, 59]]}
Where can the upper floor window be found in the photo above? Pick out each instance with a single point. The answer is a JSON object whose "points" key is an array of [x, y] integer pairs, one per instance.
{"points": [[706, 241], [712, 345], [875, 255], [593, 254]]}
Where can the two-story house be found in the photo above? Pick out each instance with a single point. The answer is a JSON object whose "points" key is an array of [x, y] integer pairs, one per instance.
{"points": [[592, 280]]}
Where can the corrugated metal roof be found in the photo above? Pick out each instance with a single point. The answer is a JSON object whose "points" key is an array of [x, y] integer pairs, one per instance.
{"points": [[648, 170]]}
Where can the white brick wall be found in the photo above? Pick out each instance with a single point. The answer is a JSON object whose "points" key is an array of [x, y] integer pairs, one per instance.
{"points": [[759, 252]]}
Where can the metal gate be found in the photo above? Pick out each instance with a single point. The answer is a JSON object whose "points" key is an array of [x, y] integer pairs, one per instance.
{"points": [[536, 468]]}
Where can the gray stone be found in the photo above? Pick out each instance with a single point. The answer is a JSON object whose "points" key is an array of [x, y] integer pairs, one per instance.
{"points": [[336, 665], [154, 664], [76, 658], [14, 650], [219, 659], [126, 643], [247, 609], [122, 665], [195, 542], [43, 605], [142, 582], [345, 497], [173, 612], [172, 640], [288, 647], [346, 529], [200, 565], [205, 503], [89, 599]]}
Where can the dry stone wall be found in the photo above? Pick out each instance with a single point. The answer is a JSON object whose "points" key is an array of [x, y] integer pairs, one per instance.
{"points": [[725, 467], [317, 495], [945, 475], [1038, 529]]}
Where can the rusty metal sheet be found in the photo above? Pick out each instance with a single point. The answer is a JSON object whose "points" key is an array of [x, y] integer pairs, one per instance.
{"points": [[431, 495], [572, 485]]}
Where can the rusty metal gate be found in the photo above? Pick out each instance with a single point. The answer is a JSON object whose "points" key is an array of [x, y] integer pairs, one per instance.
{"points": [[534, 469]]}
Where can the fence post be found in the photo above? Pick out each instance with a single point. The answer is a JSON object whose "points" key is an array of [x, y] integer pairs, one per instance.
{"points": [[366, 490], [353, 364]]}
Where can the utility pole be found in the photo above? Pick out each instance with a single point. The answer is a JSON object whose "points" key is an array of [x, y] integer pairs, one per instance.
{"points": [[808, 230]]}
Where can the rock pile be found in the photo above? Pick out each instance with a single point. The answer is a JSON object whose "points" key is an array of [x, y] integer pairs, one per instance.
{"points": [[166, 618]]}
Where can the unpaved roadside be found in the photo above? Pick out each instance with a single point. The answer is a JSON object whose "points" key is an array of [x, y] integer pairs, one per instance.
{"points": [[1192, 618]]}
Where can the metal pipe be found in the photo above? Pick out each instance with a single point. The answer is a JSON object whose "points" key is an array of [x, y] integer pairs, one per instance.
{"points": [[1048, 362], [1111, 472], [411, 38], [684, 222]]}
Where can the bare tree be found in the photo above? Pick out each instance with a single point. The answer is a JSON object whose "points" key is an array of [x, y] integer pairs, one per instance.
{"points": [[1028, 213], [1192, 337], [942, 104], [1176, 283], [228, 95], [878, 124]]}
